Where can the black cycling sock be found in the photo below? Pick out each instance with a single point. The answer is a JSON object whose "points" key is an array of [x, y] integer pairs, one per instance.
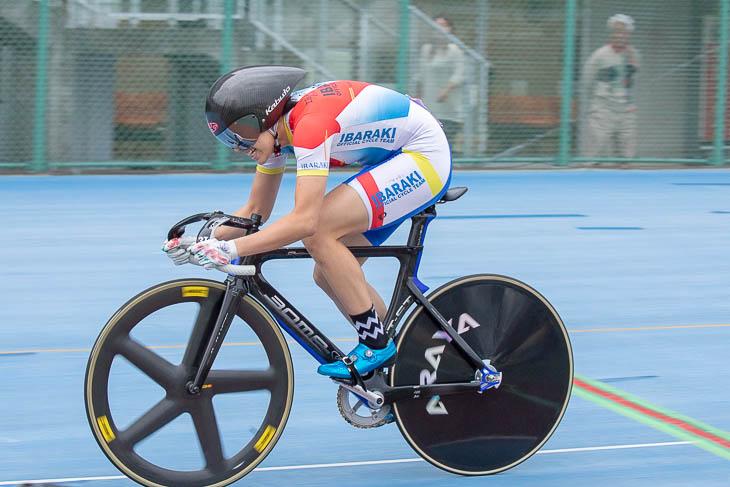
{"points": [[370, 330]]}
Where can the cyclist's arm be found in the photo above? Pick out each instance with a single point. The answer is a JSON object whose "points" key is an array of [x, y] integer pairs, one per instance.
{"points": [[264, 190], [311, 142], [299, 224]]}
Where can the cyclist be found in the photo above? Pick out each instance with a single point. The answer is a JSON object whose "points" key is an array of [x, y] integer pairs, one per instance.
{"points": [[406, 167]]}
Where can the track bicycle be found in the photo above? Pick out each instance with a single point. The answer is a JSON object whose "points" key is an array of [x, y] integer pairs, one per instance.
{"points": [[481, 378]]}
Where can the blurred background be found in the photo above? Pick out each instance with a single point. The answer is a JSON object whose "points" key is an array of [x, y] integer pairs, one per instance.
{"points": [[122, 83]]}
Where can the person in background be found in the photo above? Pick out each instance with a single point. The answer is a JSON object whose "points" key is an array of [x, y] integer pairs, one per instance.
{"points": [[441, 80], [608, 81]]}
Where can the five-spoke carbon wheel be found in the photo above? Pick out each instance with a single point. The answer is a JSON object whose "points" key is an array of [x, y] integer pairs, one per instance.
{"points": [[513, 326], [140, 411]]}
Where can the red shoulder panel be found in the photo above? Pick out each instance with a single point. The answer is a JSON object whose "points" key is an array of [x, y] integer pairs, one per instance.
{"points": [[329, 98], [313, 129]]}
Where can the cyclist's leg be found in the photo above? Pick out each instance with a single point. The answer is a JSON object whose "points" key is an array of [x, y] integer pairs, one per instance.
{"points": [[374, 202], [393, 191], [357, 239], [342, 214]]}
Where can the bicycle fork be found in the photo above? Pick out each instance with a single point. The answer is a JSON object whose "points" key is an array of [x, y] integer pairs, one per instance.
{"points": [[235, 289]]}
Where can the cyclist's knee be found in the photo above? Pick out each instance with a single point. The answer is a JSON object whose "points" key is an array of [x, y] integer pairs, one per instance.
{"points": [[311, 245], [316, 243], [319, 278]]}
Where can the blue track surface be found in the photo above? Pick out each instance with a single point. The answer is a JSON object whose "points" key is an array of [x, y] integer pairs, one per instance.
{"points": [[612, 250]]}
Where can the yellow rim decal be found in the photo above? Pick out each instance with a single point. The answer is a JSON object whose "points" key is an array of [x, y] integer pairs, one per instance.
{"points": [[106, 428], [352, 94], [313, 172], [265, 438], [432, 177], [195, 292], [266, 170]]}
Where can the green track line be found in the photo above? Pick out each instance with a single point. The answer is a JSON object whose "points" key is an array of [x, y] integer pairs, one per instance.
{"points": [[655, 423]]}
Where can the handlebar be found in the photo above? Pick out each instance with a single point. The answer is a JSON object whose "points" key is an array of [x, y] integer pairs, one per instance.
{"points": [[237, 270], [214, 220]]}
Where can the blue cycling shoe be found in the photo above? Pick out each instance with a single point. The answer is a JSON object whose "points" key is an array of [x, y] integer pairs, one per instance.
{"points": [[363, 358]]}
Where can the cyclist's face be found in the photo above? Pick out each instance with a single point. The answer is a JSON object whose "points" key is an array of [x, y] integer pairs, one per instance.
{"points": [[261, 149]]}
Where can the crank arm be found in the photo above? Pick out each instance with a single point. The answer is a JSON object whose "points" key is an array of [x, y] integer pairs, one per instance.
{"points": [[393, 394], [374, 399]]}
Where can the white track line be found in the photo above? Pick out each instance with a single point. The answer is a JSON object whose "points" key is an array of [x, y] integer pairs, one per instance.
{"points": [[616, 447], [354, 464]]}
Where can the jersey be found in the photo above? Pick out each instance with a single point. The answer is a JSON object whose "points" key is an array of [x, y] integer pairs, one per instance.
{"points": [[339, 123], [403, 150]]}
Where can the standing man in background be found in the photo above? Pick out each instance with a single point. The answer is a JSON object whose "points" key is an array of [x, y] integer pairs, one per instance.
{"points": [[442, 81], [608, 83]]}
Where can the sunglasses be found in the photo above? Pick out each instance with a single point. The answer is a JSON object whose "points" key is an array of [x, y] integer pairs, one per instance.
{"points": [[241, 134]]}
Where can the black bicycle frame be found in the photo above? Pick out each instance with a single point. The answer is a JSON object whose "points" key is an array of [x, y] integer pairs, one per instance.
{"points": [[408, 289]]}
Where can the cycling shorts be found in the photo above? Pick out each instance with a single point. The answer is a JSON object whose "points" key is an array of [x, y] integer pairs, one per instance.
{"points": [[410, 180]]}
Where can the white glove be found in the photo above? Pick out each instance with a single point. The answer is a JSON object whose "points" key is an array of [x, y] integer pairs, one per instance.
{"points": [[177, 249], [212, 253]]}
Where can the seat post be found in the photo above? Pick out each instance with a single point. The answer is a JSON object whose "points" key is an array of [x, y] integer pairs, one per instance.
{"points": [[418, 225]]}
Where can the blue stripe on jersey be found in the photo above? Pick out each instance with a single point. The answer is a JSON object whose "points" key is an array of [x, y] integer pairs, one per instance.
{"points": [[388, 104]]}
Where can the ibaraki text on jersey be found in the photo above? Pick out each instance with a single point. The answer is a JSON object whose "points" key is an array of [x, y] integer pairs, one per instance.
{"points": [[398, 190], [386, 135]]}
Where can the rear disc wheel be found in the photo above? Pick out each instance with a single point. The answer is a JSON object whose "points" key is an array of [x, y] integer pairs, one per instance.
{"points": [[513, 326]]}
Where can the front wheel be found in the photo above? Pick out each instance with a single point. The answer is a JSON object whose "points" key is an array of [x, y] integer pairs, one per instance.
{"points": [[513, 326], [138, 405]]}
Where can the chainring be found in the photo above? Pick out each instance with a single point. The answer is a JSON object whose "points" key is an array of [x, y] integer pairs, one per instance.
{"points": [[357, 412]]}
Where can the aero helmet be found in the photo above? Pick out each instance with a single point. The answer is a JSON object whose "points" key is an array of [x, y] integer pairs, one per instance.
{"points": [[247, 101]]}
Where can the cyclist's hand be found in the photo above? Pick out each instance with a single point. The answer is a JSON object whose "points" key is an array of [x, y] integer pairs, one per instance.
{"points": [[212, 252], [177, 249]]}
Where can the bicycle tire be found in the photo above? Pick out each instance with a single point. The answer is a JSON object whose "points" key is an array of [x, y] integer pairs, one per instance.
{"points": [[511, 324], [219, 470]]}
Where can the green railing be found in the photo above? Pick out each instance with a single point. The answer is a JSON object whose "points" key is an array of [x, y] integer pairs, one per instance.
{"points": [[88, 84]]}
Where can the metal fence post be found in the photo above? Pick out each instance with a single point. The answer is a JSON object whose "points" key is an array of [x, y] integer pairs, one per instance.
{"points": [[566, 106], [404, 37], [39, 116], [221, 163], [721, 92], [363, 47], [482, 116]]}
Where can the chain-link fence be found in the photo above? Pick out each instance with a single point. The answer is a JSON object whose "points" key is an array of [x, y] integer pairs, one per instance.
{"points": [[123, 82]]}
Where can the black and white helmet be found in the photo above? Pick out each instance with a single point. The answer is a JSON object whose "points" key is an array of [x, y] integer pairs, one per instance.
{"points": [[249, 100]]}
